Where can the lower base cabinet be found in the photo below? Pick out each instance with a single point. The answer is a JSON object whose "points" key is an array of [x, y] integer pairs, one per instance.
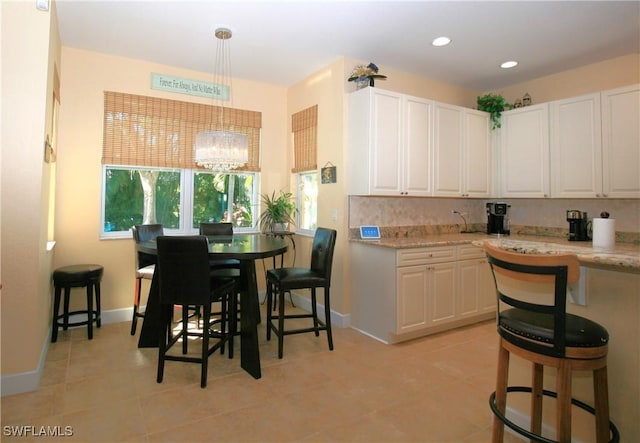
{"points": [[400, 294]]}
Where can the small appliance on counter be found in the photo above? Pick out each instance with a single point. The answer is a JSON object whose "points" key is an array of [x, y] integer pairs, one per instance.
{"points": [[578, 225], [498, 218]]}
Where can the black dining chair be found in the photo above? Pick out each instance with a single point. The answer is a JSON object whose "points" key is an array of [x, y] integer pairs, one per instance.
{"points": [[185, 279], [286, 279], [145, 265]]}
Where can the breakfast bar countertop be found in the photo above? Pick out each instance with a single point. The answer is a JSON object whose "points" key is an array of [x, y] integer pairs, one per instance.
{"points": [[624, 258]]}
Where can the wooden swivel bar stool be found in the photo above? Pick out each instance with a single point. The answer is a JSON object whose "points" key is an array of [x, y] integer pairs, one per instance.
{"points": [[533, 324]]}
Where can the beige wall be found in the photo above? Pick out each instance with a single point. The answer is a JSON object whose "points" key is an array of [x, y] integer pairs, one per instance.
{"points": [[30, 48], [85, 76], [608, 74]]}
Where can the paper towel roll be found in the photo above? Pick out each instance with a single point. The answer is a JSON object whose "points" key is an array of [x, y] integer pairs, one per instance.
{"points": [[604, 234]]}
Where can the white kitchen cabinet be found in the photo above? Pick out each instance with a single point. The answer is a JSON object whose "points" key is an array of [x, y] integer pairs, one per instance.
{"points": [[389, 147], [595, 145], [418, 291], [462, 152], [576, 147], [524, 152], [621, 142]]}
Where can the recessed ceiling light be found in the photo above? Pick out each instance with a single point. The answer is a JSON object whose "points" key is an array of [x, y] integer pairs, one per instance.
{"points": [[441, 41], [509, 64]]}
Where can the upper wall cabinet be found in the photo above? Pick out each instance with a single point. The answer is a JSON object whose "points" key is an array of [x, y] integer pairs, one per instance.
{"points": [[524, 152], [462, 152], [576, 147], [621, 142], [389, 141], [595, 145]]}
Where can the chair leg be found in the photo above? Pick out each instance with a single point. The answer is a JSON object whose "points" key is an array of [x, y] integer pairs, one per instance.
{"points": [[56, 308], [601, 394], [136, 305], [65, 320], [98, 309], [327, 318], [501, 393], [90, 311], [206, 314], [563, 411], [233, 319], [536, 398], [165, 320], [185, 327], [280, 332], [269, 304], [314, 311]]}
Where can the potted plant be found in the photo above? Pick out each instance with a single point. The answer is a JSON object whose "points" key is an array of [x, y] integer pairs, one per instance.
{"points": [[365, 75], [493, 104], [279, 212]]}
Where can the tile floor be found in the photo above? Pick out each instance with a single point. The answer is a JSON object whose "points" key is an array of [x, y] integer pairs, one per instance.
{"points": [[433, 389]]}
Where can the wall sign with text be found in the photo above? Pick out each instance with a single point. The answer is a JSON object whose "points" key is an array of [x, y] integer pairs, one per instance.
{"points": [[186, 86]]}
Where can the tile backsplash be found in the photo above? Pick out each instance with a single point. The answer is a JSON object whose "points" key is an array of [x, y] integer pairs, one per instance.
{"points": [[545, 214]]}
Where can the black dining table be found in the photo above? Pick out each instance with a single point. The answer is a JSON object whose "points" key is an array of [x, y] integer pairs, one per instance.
{"points": [[245, 248]]}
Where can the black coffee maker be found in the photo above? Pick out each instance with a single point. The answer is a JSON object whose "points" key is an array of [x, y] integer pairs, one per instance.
{"points": [[578, 225], [498, 218]]}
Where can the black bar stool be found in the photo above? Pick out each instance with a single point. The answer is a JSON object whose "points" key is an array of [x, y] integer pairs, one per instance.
{"points": [[76, 276]]}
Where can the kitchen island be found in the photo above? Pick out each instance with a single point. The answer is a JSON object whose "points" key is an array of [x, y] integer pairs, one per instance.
{"points": [[610, 282]]}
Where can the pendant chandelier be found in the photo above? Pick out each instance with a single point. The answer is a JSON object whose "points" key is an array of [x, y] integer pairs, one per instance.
{"points": [[222, 150]]}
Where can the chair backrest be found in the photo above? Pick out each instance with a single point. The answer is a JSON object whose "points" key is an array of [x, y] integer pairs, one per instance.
{"points": [[143, 233], [324, 242], [146, 232], [183, 266], [216, 229], [535, 285]]}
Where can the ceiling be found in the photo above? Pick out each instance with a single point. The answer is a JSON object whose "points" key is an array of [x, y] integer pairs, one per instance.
{"points": [[282, 42]]}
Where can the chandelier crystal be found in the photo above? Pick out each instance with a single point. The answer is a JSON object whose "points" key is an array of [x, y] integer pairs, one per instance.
{"points": [[222, 150]]}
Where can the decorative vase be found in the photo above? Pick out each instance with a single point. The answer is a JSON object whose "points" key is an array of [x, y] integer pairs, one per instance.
{"points": [[363, 83]]}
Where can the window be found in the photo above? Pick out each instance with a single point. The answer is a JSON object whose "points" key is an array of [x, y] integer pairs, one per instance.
{"points": [[304, 125], [307, 202], [179, 199], [149, 175]]}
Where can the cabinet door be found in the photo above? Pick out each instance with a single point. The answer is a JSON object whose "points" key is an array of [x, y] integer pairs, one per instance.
{"points": [[411, 297], [476, 170], [576, 147], [476, 292], [441, 293], [524, 152], [621, 142], [447, 150], [417, 168], [386, 142]]}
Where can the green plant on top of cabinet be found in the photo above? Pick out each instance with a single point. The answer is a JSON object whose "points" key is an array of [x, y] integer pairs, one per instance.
{"points": [[389, 147]]}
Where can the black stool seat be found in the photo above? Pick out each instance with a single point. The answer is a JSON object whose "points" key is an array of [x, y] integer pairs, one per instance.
{"points": [[76, 276]]}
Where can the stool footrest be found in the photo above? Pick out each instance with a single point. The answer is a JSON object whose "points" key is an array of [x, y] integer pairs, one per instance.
{"points": [[615, 434], [93, 317]]}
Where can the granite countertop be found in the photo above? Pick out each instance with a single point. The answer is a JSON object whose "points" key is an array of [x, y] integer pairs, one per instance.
{"points": [[625, 257]]}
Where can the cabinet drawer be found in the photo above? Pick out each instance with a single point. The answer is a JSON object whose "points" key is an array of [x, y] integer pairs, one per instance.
{"points": [[470, 251], [421, 256]]}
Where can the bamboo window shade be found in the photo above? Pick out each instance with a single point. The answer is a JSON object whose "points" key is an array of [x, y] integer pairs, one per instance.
{"points": [[157, 132], [304, 125]]}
